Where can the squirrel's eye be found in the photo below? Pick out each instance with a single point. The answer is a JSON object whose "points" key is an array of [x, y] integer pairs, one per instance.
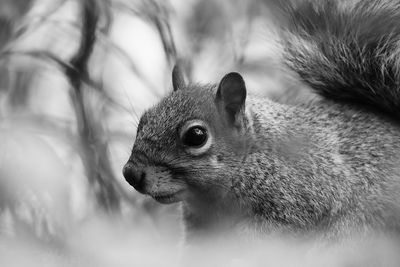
{"points": [[195, 136]]}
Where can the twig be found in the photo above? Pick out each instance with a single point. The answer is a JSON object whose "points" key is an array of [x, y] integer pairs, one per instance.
{"points": [[94, 149]]}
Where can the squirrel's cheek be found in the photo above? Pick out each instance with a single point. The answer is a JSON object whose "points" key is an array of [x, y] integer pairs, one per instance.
{"points": [[217, 161]]}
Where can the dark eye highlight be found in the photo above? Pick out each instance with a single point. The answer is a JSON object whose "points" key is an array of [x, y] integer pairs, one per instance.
{"points": [[195, 136]]}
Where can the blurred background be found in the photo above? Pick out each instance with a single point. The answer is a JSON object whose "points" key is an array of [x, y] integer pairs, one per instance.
{"points": [[75, 75]]}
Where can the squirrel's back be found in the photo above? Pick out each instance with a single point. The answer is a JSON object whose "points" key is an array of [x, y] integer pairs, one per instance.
{"points": [[347, 51], [343, 159]]}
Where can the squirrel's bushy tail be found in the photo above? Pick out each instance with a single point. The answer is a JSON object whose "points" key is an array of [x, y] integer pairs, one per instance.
{"points": [[347, 51]]}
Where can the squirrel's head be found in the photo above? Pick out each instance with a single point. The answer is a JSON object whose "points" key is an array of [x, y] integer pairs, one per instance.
{"points": [[186, 144]]}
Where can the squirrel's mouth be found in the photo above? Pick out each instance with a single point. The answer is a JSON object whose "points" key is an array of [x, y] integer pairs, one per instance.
{"points": [[168, 198]]}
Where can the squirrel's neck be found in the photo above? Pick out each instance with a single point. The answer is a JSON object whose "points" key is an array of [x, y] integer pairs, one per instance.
{"points": [[213, 217], [290, 173]]}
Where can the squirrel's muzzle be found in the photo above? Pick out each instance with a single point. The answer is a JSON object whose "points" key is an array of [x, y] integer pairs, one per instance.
{"points": [[134, 175]]}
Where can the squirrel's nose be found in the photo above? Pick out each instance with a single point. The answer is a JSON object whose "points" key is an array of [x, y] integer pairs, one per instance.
{"points": [[134, 176]]}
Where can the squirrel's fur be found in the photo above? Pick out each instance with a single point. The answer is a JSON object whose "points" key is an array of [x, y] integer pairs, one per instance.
{"points": [[330, 167]]}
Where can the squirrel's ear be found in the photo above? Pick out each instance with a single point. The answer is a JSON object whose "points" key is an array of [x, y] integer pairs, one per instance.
{"points": [[178, 78], [231, 95]]}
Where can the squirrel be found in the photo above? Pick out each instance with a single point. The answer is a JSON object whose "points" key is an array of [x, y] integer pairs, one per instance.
{"points": [[330, 166]]}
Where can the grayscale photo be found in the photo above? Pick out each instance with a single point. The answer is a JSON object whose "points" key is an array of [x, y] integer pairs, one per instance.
{"points": [[200, 133]]}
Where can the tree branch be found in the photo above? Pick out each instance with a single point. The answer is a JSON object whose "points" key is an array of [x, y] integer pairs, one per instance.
{"points": [[94, 150]]}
